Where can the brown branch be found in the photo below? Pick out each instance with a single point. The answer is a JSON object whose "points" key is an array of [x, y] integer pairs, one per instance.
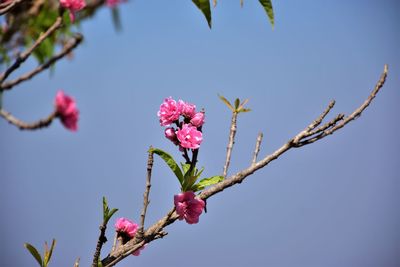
{"points": [[76, 264], [28, 126], [156, 230], [257, 149], [146, 201], [8, 6], [102, 239], [24, 56], [231, 142], [72, 43]]}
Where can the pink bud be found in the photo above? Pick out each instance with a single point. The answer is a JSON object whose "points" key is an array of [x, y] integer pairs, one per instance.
{"points": [[73, 6], [198, 119], [67, 111], [171, 135]]}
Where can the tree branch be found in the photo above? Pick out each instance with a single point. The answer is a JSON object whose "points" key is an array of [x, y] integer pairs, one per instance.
{"points": [[8, 6], [28, 126], [156, 230], [102, 239], [231, 142], [72, 43], [150, 161], [24, 56]]}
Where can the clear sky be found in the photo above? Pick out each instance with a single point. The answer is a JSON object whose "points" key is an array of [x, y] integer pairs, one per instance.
{"points": [[333, 203]]}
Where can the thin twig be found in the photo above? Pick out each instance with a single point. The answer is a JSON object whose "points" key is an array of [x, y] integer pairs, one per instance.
{"points": [[232, 133], [24, 56], [157, 229], [257, 149], [102, 239], [72, 43], [77, 262], [146, 201], [28, 126]]}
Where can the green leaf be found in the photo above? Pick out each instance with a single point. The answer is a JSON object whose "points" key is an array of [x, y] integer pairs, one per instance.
{"points": [[34, 253], [237, 103], [226, 102], [185, 168], [204, 6], [170, 162], [48, 253], [105, 209], [207, 182], [243, 103], [116, 18], [245, 110], [110, 214], [267, 4], [190, 179]]}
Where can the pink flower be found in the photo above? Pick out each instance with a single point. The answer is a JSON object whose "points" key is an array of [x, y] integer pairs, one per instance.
{"points": [[171, 135], [114, 3], [73, 6], [198, 119], [169, 112], [126, 227], [189, 136], [67, 111], [188, 110], [188, 207]]}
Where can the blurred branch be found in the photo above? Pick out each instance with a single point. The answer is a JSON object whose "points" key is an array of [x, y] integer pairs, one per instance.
{"points": [[28, 126], [24, 56], [157, 230], [231, 142], [71, 44], [8, 6], [257, 148]]}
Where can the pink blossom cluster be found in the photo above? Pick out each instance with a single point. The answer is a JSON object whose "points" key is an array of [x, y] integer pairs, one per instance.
{"points": [[67, 111], [188, 207], [127, 230], [73, 6], [187, 133], [114, 3]]}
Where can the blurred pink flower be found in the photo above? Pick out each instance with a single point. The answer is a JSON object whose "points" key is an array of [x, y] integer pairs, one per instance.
{"points": [[189, 136], [127, 227], [114, 3], [171, 135], [198, 119], [73, 6], [67, 111], [188, 110], [188, 207], [137, 252], [169, 112]]}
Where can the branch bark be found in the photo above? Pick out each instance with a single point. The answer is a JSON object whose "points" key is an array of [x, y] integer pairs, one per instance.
{"points": [[28, 126]]}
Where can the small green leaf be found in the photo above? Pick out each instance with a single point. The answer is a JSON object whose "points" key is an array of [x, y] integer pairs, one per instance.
{"points": [[34, 253], [207, 182], [48, 253], [237, 103], [110, 214], [170, 162], [267, 4], [204, 6], [105, 209], [243, 103], [244, 110], [226, 102]]}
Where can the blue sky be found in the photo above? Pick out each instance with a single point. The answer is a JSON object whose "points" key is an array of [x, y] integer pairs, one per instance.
{"points": [[333, 203]]}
